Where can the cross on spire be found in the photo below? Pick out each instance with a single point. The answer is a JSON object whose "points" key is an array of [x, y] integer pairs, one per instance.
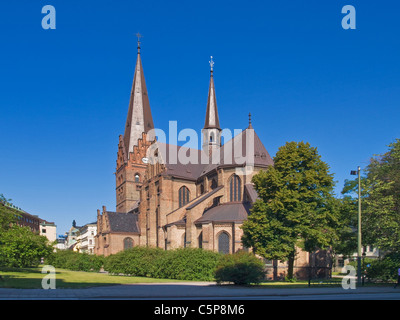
{"points": [[211, 63], [138, 35]]}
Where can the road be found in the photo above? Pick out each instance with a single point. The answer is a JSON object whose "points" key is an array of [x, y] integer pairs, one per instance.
{"points": [[200, 290]]}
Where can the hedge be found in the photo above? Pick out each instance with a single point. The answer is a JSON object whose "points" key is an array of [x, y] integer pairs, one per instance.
{"points": [[181, 264], [72, 260]]}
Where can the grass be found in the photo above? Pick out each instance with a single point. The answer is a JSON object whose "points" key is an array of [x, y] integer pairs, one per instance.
{"points": [[31, 278]]}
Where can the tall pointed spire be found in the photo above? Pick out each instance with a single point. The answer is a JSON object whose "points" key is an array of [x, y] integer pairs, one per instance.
{"points": [[212, 119], [139, 117], [211, 131]]}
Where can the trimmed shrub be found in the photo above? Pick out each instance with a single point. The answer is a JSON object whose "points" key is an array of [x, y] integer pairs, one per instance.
{"points": [[75, 261], [136, 261], [241, 268], [190, 264], [180, 264]]}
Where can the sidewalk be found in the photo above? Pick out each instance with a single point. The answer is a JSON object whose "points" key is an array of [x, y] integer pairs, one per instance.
{"points": [[198, 290]]}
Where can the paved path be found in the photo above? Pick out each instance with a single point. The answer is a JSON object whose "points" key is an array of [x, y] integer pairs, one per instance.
{"points": [[198, 290]]}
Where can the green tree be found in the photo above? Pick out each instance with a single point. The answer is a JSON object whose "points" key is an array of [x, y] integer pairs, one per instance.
{"points": [[346, 243], [296, 206], [20, 247], [8, 215], [380, 191]]}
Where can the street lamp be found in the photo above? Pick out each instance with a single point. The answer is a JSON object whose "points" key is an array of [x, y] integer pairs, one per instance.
{"points": [[353, 172]]}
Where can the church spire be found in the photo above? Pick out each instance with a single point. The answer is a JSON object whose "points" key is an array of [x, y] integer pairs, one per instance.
{"points": [[212, 120], [211, 131], [139, 117]]}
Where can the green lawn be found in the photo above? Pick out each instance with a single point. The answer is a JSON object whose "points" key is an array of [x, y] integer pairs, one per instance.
{"points": [[31, 278]]}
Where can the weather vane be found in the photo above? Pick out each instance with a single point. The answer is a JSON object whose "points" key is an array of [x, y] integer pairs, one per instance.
{"points": [[211, 63]]}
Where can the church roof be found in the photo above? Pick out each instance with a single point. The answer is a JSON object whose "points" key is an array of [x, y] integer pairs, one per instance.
{"points": [[251, 192], [123, 222], [193, 170], [233, 152], [226, 212]]}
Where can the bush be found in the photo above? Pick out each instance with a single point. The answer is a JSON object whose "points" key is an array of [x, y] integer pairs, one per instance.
{"points": [[75, 261], [20, 247], [190, 264], [384, 269], [136, 261], [180, 264], [241, 268]]}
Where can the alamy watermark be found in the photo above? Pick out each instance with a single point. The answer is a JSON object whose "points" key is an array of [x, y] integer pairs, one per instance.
{"points": [[238, 148], [349, 280], [49, 20], [49, 280]]}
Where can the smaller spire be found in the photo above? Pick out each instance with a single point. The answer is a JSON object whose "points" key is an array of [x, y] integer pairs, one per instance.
{"points": [[138, 35], [250, 126], [212, 121]]}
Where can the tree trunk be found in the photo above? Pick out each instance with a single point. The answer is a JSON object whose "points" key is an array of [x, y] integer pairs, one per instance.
{"points": [[291, 265]]}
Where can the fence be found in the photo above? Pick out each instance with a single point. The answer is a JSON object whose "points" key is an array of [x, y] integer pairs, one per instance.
{"points": [[312, 274]]}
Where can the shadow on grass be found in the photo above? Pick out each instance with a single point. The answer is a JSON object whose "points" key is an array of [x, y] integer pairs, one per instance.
{"points": [[31, 278], [16, 282]]}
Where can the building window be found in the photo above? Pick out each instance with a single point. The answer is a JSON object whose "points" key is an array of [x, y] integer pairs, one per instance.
{"points": [[200, 239], [201, 188], [128, 243], [235, 194], [223, 243], [184, 240], [183, 196], [137, 177]]}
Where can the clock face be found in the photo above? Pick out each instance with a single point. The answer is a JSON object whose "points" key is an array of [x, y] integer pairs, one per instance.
{"points": [[145, 160]]}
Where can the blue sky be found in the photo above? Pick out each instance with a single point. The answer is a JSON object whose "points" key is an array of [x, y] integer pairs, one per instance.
{"points": [[64, 93]]}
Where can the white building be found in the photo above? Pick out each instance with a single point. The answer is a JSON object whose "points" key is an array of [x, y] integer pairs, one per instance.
{"points": [[86, 237], [49, 230]]}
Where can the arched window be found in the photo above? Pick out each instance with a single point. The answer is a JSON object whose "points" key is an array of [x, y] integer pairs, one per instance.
{"points": [[211, 136], [183, 196], [137, 177], [223, 243], [128, 243], [235, 194]]}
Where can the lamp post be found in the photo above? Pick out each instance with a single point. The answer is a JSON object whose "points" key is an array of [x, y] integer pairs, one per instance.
{"points": [[353, 172]]}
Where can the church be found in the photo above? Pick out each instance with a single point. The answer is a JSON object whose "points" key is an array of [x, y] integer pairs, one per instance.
{"points": [[166, 202]]}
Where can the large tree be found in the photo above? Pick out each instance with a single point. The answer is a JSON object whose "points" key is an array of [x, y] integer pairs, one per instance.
{"points": [[296, 206], [380, 191], [19, 246]]}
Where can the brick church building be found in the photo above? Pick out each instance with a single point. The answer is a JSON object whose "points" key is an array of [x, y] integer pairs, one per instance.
{"points": [[173, 204]]}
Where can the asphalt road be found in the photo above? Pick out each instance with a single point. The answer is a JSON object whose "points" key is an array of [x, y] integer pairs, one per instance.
{"points": [[200, 290]]}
